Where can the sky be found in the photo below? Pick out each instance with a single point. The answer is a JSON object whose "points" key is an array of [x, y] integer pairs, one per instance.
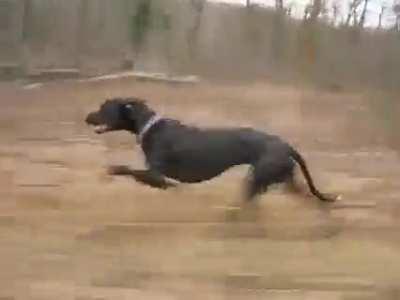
{"points": [[373, 11]]}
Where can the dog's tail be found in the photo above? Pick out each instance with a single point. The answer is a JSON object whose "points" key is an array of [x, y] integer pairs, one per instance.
{"points": [[300, 160]]}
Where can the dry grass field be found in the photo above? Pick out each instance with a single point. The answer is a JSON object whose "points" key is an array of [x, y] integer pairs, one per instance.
{"points": [[69, 231]]}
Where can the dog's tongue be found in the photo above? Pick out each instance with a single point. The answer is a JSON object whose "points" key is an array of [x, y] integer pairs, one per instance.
{"points": [[101, 128]]}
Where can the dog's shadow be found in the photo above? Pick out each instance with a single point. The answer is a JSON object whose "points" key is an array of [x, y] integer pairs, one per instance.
{"points": [[307, 219]]}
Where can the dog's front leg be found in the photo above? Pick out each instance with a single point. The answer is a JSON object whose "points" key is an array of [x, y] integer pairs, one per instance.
{"points": [[148, 177]]}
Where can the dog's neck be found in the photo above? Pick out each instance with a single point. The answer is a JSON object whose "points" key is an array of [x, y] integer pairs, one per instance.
{"points": [[146, 126], [139, 120]]}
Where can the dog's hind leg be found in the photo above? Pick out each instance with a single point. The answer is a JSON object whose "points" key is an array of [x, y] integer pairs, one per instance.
{"points": [[148, 177], [267, 171], [293, 186]]}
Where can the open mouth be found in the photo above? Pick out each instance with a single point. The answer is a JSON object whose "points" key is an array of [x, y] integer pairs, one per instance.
{"points": [[99, 123], [101, 128]]}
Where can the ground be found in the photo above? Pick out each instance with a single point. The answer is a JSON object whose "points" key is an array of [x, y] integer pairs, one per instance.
{"points": [[69, 231]]}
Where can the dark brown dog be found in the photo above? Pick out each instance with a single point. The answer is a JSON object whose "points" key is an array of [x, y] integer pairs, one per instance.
{"points": [[189, 154]]}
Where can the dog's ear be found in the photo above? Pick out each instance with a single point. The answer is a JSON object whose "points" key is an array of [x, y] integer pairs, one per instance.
{"points": [[133, 108], [135, 101]]}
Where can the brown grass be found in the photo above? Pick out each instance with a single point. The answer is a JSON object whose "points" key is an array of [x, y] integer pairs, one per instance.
{"points": [[72, 232]]}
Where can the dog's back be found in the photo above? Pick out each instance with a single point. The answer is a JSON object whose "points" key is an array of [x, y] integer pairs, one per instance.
{"points": [[191, 154]]}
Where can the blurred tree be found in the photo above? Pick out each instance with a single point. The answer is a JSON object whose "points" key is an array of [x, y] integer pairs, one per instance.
{"points": [[141, 21], [352, 13], [307, 10], [289, 9], [278, 37], [27, 20], [193, 32], [316, 9], [309, 37], [83, 30], [27, 26], [279, 5], [363, 14], [381, 13], [335, 12], [396, 10]]}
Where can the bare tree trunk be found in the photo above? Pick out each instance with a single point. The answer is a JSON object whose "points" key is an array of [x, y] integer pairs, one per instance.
{"points": [[306, 13], [352, 11], [335, 13], [82, 34], [279, 5], [312, 11], [289, 10], [27, 28], [363, 14], [396, 10], [278, 32], [310, 37], [316, 10], [398, 23], [27, 20], [381, 16], [193, 32], [248, 3], [355, 18]]}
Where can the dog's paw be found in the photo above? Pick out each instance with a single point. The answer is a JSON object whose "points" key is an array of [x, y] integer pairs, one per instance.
{"points": [[331, 197]]}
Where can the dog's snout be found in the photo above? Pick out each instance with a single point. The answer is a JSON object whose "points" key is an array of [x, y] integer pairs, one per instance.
{"points": [[91, 118]]}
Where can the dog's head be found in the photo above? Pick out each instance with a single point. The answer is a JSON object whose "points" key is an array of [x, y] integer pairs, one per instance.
{"points": [[120, 114]]}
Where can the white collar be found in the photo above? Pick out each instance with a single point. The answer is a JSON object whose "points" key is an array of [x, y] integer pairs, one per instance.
{"points": [[150, 123]]}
